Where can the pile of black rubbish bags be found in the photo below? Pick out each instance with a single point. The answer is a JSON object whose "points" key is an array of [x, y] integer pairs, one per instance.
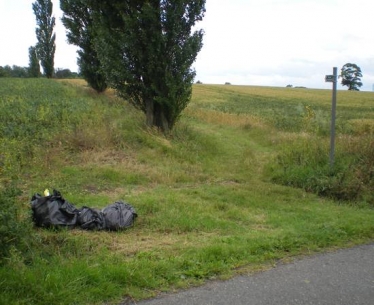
{"points": [[53, 211]]}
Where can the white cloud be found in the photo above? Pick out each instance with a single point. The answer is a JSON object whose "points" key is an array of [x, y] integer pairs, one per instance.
{"points": [[272, 42], [267, 42]]}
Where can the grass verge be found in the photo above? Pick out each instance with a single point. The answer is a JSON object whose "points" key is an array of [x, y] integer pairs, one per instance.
{"points": [[207, 209]]}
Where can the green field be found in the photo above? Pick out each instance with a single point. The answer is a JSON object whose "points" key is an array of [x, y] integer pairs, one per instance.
{"points": [[242, 182]]}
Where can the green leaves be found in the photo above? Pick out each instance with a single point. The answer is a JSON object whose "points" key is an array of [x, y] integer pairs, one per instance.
{"points": [[147, 50], [78, 20]]}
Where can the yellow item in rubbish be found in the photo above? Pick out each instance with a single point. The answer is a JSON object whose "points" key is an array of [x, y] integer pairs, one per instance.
{"points": [[46, 192]]}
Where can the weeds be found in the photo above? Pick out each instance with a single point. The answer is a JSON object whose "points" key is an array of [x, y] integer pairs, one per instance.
{"points": [[305, 164]]}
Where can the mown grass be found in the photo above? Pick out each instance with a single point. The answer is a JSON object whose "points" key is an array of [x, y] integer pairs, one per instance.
{"points": [[207, 202]]}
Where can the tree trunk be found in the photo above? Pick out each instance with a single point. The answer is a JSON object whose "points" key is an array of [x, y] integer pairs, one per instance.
{"points": [[160, 119], [156, 117]]}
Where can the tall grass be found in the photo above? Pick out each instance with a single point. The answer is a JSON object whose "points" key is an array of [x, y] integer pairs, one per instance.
{"points": [[207, 208], [305, 163], [15, 230], [42, 121]]}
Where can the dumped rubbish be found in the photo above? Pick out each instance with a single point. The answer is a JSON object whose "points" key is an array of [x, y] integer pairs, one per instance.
{"points": [[118, 216], [52, 210], [91, 219]]}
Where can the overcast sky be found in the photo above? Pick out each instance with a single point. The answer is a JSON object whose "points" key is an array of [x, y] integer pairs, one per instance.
{"points": [[246, 42]]}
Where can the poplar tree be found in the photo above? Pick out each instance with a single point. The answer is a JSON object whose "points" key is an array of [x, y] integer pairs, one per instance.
{"points": [[46, 45], [147, 49], [34, 66], [78, 21]]}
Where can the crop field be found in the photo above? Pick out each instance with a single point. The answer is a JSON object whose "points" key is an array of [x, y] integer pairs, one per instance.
{"points": [[242, 182]]}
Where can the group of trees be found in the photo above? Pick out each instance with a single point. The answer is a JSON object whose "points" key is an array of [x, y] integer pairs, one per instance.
{"points": [[142, 49], [42, 54]]}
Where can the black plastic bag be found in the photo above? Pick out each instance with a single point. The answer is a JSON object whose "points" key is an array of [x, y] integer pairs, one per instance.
{"points": [[53, 211], [118, 215], [90, 219]]}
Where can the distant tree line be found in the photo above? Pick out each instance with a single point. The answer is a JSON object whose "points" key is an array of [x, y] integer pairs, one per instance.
{"points": [[14, 71], [26, 72]]}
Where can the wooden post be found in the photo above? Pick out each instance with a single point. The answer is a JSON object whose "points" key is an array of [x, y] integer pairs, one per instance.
{"points": [[333, 116]]}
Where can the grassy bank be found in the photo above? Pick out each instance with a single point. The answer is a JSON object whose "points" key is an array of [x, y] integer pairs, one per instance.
{"points": [[207, 202]]}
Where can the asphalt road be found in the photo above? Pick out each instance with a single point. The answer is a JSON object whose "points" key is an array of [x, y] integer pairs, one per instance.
{"points": [[344, 277]]}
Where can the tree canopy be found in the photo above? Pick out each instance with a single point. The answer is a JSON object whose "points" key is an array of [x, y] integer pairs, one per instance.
{"points": [[351, 76], [78, 20], [147, 49], [46, 45]]}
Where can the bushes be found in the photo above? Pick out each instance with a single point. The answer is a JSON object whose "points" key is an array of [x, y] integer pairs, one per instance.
{"points": [[305, 164]]}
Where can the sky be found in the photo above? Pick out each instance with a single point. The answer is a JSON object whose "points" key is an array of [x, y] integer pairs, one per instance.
{"points": [[246, 42]]}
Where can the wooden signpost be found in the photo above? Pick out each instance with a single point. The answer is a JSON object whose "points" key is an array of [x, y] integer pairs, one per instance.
{"points": [[333, 79]]}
